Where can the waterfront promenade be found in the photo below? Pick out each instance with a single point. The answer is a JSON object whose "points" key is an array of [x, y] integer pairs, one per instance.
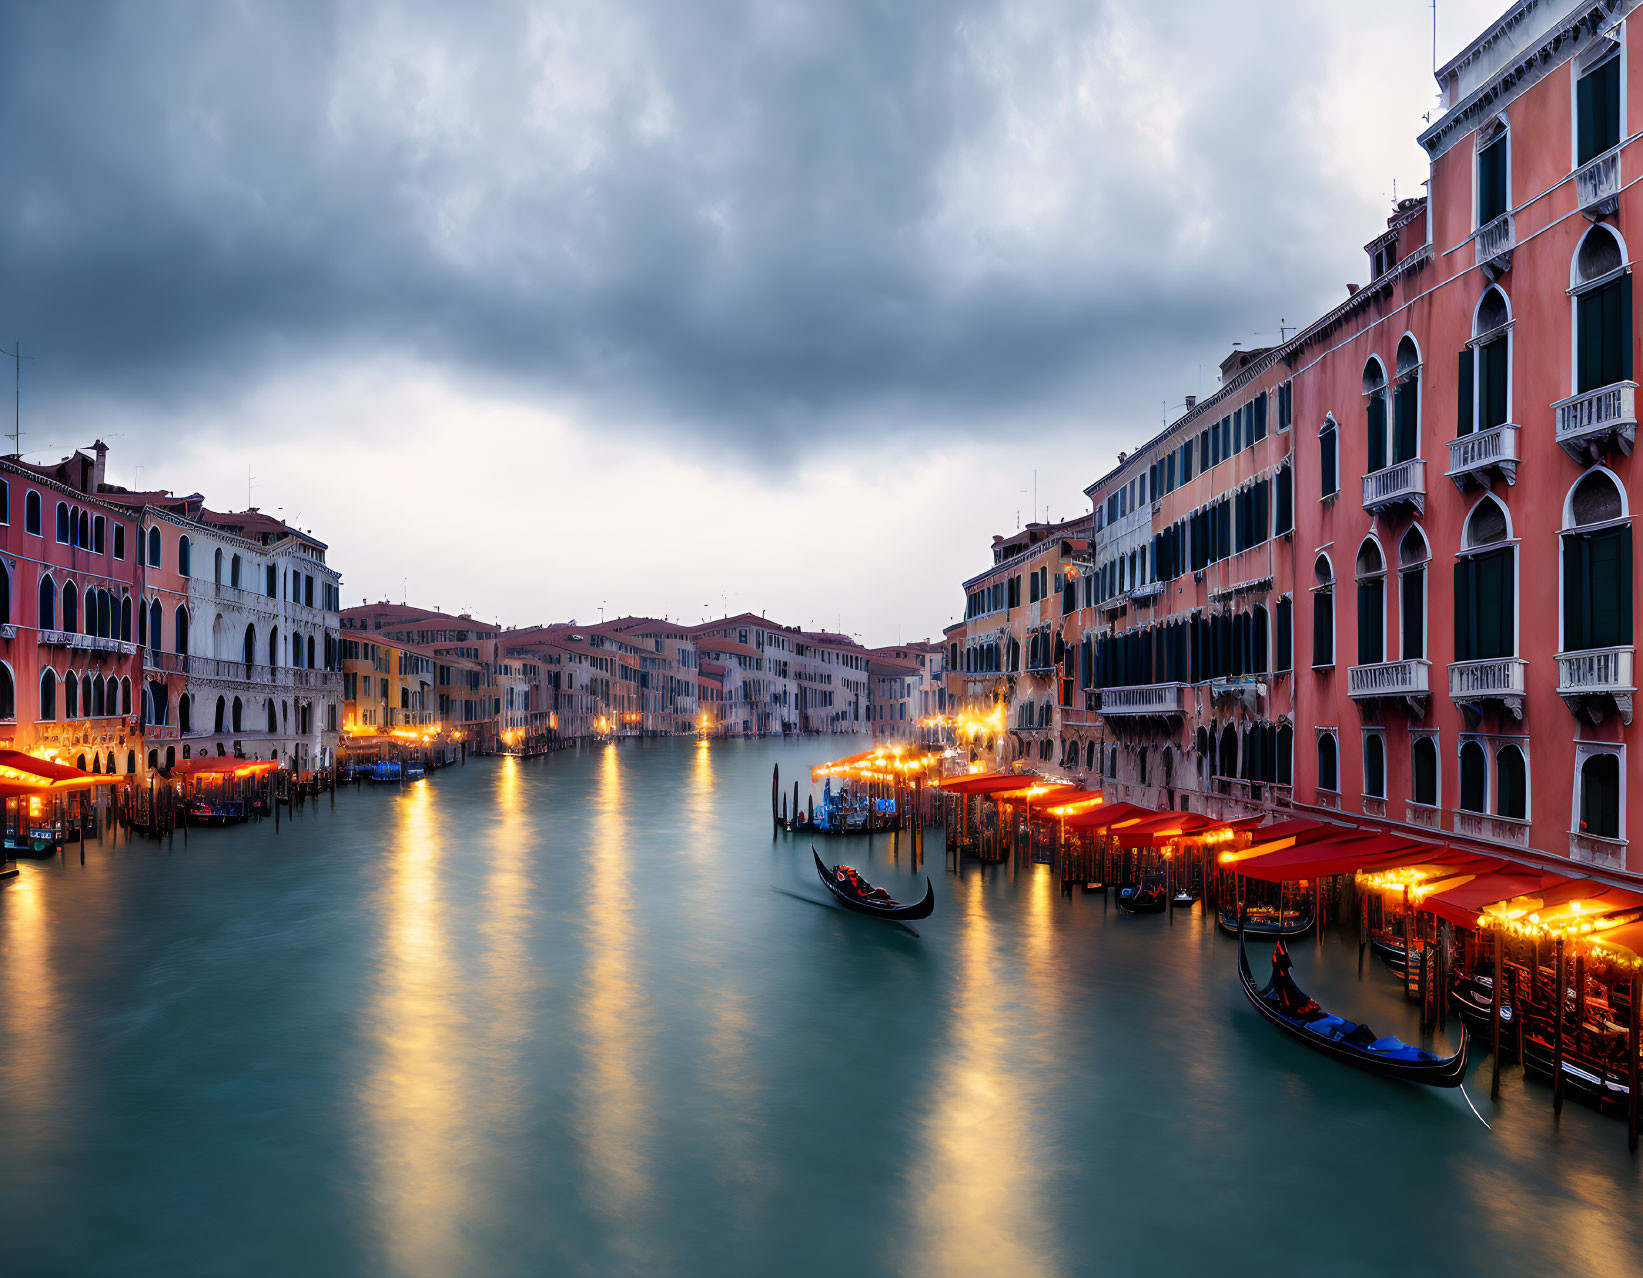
{"points": [[549, 1015]]}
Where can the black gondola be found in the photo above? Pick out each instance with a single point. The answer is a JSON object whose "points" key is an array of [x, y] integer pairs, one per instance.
{"points": [[1472, 997], [1288, 1007], [1264, 923], [1146, 897], [842, 885]]}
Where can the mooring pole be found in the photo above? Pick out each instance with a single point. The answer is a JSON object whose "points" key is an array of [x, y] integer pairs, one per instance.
{"points": [[1494, 1015]]}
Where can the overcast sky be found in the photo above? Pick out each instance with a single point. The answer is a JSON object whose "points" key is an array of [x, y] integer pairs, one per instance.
{"points": [[529, 309]]}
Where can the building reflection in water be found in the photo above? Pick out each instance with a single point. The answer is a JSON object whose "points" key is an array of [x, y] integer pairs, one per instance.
{"points": [[611, 1119], [32, 1065], [415, 1096], [510, 972], [979, 1186]]}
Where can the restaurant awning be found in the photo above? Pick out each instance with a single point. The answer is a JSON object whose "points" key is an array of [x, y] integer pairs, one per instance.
{"points": [[1058, 804], [986, 783], [40, 776], [212, 764], [1340, 856], [1109, 815], [1462, 903]]}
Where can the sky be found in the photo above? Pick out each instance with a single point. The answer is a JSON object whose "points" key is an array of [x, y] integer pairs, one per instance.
{"points": [[538, 310]]}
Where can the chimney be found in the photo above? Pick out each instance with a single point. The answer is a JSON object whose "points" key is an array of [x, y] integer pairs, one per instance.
{"points": [[101, 467], [1192, 402]]}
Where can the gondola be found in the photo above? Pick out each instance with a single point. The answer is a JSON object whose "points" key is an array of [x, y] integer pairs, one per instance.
{"points": [[837, 883], [1146, 897], [1472, 997], [1288, 1007], [1185, 900], [1389, 947], [1265, 923]]}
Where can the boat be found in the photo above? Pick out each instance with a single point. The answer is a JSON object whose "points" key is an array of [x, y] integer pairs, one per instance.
{"points": [[1184, 899], [1263, 921], [855, 893], [1287, 1006], [1473, 997], [1389, 947], [1146, 897]]}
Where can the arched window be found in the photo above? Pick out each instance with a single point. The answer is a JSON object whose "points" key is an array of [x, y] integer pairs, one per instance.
{"points": [[84, 539], [71, 696], [273, 722], [1413, 556], [1511, 784], [31, 512], [1329, 773], [98, 707], [1374, 389], [1374, 765], [1600, 796], [105, 614], [99, 540], [1228, 762], [155, 620], [222, 713], [216, 566], [1329, 481], [1597, 565], [1371, 604], [48, 603], [1486, 586], [71, 607], [125, 696], [1406, 402], [63, 524], [236, 719], [1474, 777], [180, 627], [125, 617], [1492, 183], [48, 696], [85, 695], [310, 664], [248, 648], [1602, 290], [1284, 771], [185, 714], [234, 572], [153, 547], [5, 595], [274, 646], [1323, 613], [184, 557], [1257, 640], [1484, 398], [8, 693], [1423, 769]]}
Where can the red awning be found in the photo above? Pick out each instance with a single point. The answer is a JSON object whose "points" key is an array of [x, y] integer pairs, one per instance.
{"points": [[1341, 856], [42, 768], [207, 764], [41, 775], [1074, 796], [987, 783], [1462, 903], [1628, 936], [1109, 815], [1300, 830]]}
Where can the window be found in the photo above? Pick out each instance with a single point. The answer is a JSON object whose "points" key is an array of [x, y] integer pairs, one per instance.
{"points": [[71, 607], [1597, 565], [1599, 801], [48, 603], [1323, 614], [1374, 389], [1602, 288], [1474, 777], [1483, 399], [8, 693], [181, 630], [1371, 605], [1283, 636], [63, 523], [1597, 110], [125, 618], [1492, 201], [1406, 403], [1413, 555], [155, 620], [48, 696], [99, 534], [1374, 765], [1511, 784], [234, 572], [119, 541], [185, 557], [1486, 586], [1423, 771], [1328, 478], [31, 512], [153, 547], [1328, 762], [1283, 516]]}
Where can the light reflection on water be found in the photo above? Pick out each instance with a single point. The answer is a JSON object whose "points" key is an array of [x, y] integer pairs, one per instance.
{"points": [[549, 1016]]}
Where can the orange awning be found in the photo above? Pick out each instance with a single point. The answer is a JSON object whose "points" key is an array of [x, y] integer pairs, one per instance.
{"points": [[986, 783], [40, 776], [1109, 815], [216, 764], [1462, 903]]}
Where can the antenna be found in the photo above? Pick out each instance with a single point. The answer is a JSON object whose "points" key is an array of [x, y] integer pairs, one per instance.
{"points": [[249, 480], [17, 358]]}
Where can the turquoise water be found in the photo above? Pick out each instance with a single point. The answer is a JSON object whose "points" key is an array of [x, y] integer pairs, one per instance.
{"points": [[564, 1016]]}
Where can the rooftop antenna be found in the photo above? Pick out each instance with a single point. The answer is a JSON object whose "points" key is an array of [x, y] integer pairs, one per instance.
{"points": [[17, 358], [250, 479]]}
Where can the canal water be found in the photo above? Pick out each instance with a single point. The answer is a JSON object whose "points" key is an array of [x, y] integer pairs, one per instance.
{"points": [[584, 1015]]}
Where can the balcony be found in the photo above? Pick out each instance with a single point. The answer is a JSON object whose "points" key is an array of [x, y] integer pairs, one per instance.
{"points": [[85, 643], [1596, 681], [1410, 681], [1597, 186], [1590, 424], [1491, 829], [1402, 483], [1498, 679], [1151, 698], [1250, 689], [1492, 246], [1421, 814], [1149, 591], [1484, 456], [1592, 849]]}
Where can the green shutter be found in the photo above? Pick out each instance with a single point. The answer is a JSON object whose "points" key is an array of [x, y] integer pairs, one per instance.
{"points": [[1492, 386], [1609, 100], [1585, 116], [1574, 594], [1465, 611], [1624, 303], [1412, 609], [1371, 602], [1377, 433], [1589, 341], [1463, 395]]}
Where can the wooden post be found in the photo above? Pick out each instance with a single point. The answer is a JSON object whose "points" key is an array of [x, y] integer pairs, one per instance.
{"points": [[1408, 941], [1443, 976], [1557, 1034], [1318, 908], [1363, 926], [1631, 1069], [1494, 1015]]}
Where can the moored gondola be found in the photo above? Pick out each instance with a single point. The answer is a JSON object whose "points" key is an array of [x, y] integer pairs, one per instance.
{"points": [[1288, 1007], [855, 893], [1146, 897], [1265, 923]]}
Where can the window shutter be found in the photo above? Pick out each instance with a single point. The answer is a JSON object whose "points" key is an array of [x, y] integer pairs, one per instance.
{"points": [[1585, 116], [1624, 302], [1465, 613], [1323, 624], [1412, 610], [1377, 433], [1371, 604], [1608, 134], [1492, 389], [1463, 395], [1283, 643]]}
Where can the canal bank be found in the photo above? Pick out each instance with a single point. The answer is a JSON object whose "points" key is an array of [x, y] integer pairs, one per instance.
{"points": [[549, 1014]]}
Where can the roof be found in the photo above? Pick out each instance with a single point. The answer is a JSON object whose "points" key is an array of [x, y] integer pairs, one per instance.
{"points": [[726, 645]]}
